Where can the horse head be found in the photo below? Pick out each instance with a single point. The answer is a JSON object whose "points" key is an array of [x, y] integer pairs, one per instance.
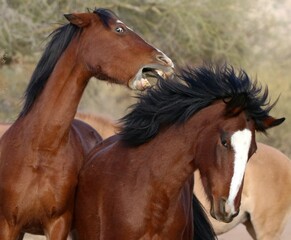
{"points": [[106, 44], [230, 142]]}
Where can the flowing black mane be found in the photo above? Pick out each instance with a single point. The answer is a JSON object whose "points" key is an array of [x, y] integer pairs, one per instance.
{"points": [[59, 40], [105, 15], [175, 101]]}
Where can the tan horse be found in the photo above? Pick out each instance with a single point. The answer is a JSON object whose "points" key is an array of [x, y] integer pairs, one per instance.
{"points": [[266, 197], [3, 128]]}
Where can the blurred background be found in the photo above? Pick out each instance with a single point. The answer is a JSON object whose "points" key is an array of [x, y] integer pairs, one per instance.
{"points": [[252, 35]]}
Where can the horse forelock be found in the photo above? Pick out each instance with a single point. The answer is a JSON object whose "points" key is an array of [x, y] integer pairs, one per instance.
{"points": [[60, 39], [105, 15], [176, 100]]}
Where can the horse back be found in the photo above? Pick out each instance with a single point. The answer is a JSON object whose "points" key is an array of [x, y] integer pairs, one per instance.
{"points": [[87, 135]]}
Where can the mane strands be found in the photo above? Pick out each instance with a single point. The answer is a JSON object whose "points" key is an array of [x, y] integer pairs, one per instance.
{"points": [[105, 15], [60, 39], [176, 100]]}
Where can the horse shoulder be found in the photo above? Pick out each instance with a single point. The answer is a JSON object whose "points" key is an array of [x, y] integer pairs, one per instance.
{"points": [[270, 168], [267, 190]]}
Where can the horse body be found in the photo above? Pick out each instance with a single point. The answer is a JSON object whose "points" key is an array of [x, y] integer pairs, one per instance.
{"points": [[268, 173], [138, 184], [41, 154], [130, 175], [44, 185], [266, 198]]}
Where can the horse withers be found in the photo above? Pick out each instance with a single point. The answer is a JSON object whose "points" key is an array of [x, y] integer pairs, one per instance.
{"points": [[42, 152], [138, 184]]}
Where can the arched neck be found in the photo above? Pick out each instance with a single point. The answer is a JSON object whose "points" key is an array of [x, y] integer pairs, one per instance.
{"points": [[50, 117]]}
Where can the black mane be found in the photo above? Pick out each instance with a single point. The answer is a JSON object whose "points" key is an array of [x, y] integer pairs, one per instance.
{"points": [[175, 101], [105, 15], [60, 39]]}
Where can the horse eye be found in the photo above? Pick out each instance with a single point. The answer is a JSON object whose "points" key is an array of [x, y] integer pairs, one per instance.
{"points": [[119, 29], [224, 143], [223, 139]]}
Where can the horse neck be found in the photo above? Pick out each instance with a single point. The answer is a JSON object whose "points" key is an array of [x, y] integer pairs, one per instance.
{"points": [[51, 115], [172, 155], [169, 158]]}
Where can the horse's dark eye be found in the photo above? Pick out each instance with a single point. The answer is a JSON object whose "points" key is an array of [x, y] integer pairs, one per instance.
{"points": [[119, 29], [223, 139], [224, 143]]}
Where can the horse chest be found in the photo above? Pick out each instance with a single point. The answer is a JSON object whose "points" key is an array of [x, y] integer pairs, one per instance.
{"points": [[43, 184], [163, 220]]}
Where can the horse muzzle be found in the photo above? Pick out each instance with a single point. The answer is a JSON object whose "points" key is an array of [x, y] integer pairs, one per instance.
{"points": [[223, 210], [164, 67]]}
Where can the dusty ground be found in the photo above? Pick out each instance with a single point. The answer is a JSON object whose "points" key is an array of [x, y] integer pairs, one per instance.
{"points": [[238, 233]]}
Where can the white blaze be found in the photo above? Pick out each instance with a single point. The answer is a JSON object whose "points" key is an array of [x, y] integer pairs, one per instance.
{"points": [[240, 141]]}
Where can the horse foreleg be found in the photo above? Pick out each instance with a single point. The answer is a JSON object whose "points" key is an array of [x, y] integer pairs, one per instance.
{"points": [[8, 232], [21, 236], [250, 229]]}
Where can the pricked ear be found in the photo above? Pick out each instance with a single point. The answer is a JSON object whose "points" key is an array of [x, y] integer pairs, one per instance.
{"points": [[78, 19], [269, 122]]}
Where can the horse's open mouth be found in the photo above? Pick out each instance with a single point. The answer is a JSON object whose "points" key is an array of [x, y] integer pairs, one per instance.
{"points": [[147, 76]]}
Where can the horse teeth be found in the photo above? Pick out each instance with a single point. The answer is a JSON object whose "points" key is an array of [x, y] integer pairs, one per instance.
{"points": [[161, 73], [145, 83], [141, 84]]}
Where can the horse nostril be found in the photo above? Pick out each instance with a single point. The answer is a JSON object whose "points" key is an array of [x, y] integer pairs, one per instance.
{"points": [[222, 203], [165, 60]]}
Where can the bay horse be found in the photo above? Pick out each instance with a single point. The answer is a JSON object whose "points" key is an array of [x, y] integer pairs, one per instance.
{"points": [[42, 153], [265, 219], [138, 184], [266, 195]]}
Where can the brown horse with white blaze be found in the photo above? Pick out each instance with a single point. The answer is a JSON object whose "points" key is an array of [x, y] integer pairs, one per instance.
{"points": [[42, 152], [138, 184], [264, 218]]}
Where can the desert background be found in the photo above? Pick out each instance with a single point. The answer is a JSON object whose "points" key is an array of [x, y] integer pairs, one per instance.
{"points": [[252, 35]]}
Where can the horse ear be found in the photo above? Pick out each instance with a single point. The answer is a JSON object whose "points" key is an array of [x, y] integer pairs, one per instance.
{"points": [[269, 122], [78, 19]]}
